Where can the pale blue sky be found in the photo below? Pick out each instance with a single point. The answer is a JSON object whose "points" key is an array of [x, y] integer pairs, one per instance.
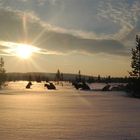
{"points": [[95, 36]]}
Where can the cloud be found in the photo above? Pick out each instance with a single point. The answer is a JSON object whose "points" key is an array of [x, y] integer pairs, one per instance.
{"points": [[26, 27], [126, 14]]}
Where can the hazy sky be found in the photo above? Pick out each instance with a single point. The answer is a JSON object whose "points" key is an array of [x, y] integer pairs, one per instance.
{"points": [[95, 36]]}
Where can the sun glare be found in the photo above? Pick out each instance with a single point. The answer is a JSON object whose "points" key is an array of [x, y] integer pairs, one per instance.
{"points": [[24, 51]]}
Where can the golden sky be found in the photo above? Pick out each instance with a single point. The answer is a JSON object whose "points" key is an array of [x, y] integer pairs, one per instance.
{"points": [[93, 36]]}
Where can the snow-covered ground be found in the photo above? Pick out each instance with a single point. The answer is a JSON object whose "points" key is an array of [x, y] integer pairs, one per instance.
{"points": [[66, 114]]}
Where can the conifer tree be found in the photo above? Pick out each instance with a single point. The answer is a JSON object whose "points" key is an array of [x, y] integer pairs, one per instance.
{"points": [[133, 87], [2, 72], [58, 76], [135, 64]]}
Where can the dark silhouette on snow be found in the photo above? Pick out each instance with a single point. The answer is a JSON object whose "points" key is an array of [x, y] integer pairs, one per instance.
{"points": [[29, 85], [120, 87], [81, 85], [106, 88], [50, 86]]}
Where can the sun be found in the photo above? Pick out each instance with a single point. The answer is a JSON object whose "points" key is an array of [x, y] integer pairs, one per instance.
{"points": [[21, 50], [24, 51]]}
